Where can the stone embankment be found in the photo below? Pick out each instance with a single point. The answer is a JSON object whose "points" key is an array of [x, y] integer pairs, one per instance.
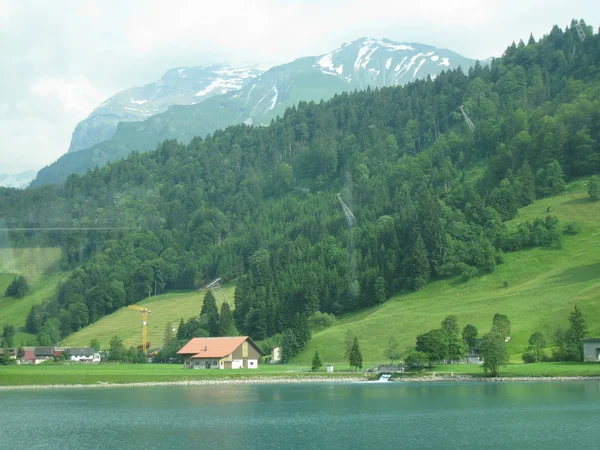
{"points": [[197, 382]]}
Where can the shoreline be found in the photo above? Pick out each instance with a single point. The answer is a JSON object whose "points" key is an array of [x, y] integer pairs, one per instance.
{"points": [[299, 380]]}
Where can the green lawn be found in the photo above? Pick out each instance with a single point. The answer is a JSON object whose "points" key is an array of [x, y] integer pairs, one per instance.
{"points": [[127, 323], [5, 280], [544, 286], [32, 263], [136, 373]]}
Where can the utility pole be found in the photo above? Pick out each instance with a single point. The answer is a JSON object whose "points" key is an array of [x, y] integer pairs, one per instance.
{"points": [[349, 216], [470, 124], [579, 29]]}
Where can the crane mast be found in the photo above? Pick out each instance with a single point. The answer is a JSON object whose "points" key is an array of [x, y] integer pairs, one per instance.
{"points": [[145, 312]]}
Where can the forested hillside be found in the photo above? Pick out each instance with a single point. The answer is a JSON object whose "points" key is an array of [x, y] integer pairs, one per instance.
{"points": [[259, 204]]}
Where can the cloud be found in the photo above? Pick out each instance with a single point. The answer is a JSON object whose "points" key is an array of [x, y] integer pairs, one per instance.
{"points": [[79, 96], [61, 59]]}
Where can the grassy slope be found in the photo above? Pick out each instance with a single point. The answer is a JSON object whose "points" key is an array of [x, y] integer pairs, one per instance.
{"points": [[544, 285], [14, 310], [32, 263], [127, 323]]}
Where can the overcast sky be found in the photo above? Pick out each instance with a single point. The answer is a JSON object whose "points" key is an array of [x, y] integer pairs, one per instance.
{"points": [[60, 58]]}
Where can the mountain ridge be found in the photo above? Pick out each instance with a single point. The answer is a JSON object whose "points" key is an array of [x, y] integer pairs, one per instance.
{"points": [[355, 65], [178, 86]]}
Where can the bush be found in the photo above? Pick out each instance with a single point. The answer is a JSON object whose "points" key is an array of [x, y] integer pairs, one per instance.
{"points": [[499, 257], [467, 272], [320, 321], [528, 357], [572, 228]]}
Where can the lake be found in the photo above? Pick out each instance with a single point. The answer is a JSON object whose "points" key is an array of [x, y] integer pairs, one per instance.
{"points": [[303, 416]]}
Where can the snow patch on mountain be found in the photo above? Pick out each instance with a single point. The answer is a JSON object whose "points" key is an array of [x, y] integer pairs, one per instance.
{"points": [[445, 62], [274, 99]]}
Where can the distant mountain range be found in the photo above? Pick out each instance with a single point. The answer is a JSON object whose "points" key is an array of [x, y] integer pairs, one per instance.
{"points": [[198, 101], [19, 180], [179, 86]]}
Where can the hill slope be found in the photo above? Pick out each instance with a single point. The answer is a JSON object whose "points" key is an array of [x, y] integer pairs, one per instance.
{"points": [[13, 311], [544, 286], [355, 65], [126, 323]]}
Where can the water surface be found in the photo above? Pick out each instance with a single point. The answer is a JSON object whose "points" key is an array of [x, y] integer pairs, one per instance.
{"points": [[303, 416]]}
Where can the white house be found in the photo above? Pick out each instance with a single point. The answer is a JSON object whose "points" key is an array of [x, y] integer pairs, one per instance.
{"points": [[84, 354]]}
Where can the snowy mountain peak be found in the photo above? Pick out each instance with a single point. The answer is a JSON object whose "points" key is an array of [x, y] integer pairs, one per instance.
{"points": [[381, 62], [178, 86]]}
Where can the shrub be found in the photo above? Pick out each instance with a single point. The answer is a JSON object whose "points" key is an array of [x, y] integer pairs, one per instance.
{"points": [[528, 357], [572, 228]]}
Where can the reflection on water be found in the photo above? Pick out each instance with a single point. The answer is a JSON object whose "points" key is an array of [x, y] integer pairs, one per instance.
{"points": [[298, 416]]}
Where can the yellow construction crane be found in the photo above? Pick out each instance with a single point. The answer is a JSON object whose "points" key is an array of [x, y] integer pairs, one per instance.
{"points": [[145, 312]]}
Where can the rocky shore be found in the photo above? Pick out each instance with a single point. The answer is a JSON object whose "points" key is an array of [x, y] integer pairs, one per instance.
{"points": [[202, 382], [445, 378]]}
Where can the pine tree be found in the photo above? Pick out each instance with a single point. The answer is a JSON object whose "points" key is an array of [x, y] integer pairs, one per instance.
{"points": [[419, 270], [181, 330], [316, 361], [301, 329], [355, 359], [526, 191], [226, 325], [289, 346], [576, 333], [211, 313]]}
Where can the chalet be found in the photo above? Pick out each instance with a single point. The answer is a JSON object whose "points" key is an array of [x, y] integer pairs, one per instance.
{"points": [[43, 354], [591, 349], [83, 354], [221, 353]]}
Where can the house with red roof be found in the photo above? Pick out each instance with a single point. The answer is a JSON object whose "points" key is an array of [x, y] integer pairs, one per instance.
{"points": [[221, 353]]}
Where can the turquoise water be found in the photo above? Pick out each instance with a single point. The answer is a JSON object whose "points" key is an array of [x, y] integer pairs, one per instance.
{"points": [[306, 416]]}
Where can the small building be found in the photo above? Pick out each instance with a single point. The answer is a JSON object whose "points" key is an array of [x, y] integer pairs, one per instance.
{"points": [[12, 352], [591, 349], [43, 354], [221, 353], [276, 355], [83, 354], [473, 358]]}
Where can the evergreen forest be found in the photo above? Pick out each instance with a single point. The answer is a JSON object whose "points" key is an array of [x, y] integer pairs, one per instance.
{"points": [[429, 194]]}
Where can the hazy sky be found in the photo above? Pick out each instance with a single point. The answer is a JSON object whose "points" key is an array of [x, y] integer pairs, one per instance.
{"points": [[61, 58]]}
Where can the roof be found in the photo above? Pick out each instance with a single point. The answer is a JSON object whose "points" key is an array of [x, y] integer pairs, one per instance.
{"points": [[81, 351], [215, 347], [57, 353], [11, 351], [29, 355], [591, 339], [44, 351]]}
